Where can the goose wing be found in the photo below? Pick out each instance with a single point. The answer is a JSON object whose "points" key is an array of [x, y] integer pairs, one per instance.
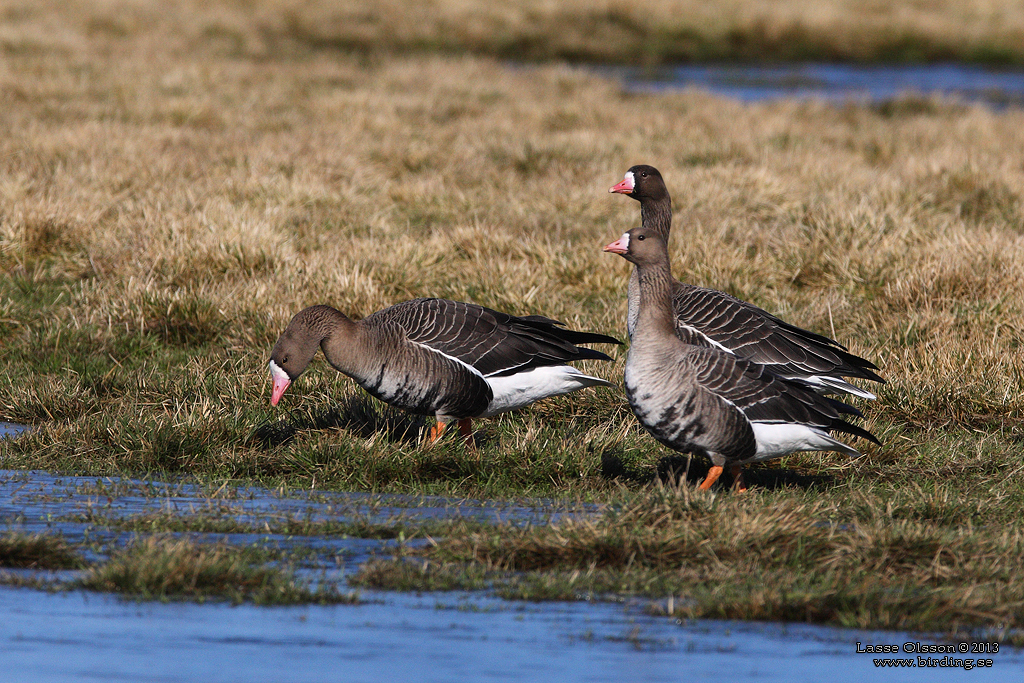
{"points": [[751, 333], [418, 378], [763, 396], [493, 343]]}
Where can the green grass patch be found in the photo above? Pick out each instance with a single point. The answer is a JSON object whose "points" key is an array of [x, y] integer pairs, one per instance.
{"points": [[37, 551], [666, 31], [160, 568], [224, 521], [858, 563]]}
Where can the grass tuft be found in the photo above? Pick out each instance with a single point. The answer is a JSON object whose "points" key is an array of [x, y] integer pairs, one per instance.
{"points": [[870, 565], [159, 568], [37, 551]]}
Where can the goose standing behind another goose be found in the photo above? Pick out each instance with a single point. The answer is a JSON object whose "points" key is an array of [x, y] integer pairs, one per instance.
{"points": [[712, 318], [438, 357], [703, 400]]}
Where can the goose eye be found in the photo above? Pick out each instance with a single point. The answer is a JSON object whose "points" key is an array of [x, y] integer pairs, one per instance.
{"points": [[640, 238], [643, 174]]}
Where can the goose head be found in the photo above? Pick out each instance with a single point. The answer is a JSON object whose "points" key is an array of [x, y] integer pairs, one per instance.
{"points": [[297, 345], [640, 246], [642, 182]]}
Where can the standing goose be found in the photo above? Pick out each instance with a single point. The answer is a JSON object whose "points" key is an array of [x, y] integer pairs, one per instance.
{"points": [[700, 399], [711, 318], [437, 357]]}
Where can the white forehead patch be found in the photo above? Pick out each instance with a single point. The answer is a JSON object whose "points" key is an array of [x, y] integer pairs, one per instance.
{"points": [[277, 373], [625, 240], [629, 179]]}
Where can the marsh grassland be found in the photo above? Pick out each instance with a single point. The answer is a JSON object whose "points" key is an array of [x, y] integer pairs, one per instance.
{"points": [[178, 179]]}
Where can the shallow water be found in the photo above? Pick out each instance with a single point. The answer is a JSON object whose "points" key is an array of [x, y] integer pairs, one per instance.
{"points": [[879, 83], [72, 636], [11, 429], [429, 637], [40, 502]]}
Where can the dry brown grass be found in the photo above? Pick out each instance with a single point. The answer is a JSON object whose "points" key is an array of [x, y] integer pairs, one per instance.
{"points": [[196, 198], [603, 30], [188, 199]]}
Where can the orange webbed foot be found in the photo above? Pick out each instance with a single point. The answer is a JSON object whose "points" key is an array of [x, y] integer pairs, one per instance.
{"points": [[713, 474]]}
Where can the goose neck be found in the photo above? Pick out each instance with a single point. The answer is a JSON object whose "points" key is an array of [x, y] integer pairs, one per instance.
{"points": [[343, 343], [655, 316], [657, 215]]}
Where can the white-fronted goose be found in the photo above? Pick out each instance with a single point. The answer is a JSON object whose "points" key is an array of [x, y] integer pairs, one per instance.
{"points": [[700, 399], [438, 357], [712, 318]]}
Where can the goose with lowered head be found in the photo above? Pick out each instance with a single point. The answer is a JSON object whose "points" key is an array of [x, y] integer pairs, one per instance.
{"points": [[449, 359]]}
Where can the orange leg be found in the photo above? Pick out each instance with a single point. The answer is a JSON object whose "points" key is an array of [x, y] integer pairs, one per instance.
{"points": [[737, 478], [466, 429], [435, 432], [713, 474]]}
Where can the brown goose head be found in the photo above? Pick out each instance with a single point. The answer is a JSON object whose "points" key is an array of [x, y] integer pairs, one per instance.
{"points": [[643, 182], [641, 246], [297, 345]]}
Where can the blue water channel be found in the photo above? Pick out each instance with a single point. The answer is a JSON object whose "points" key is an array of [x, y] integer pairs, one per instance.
{"points": [[836, 82], [388, 636]]}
